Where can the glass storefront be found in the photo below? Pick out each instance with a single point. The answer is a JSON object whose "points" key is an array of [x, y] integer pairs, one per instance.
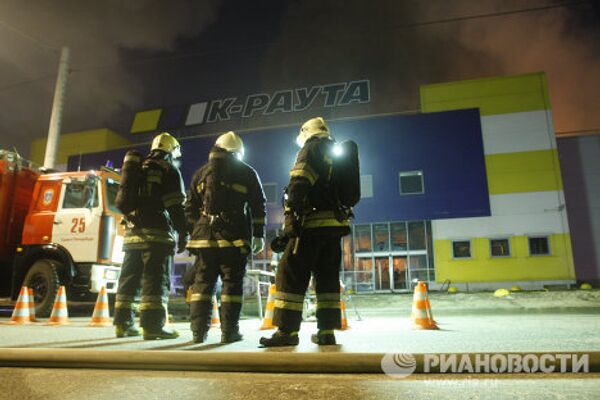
{"points": [[387, 256], [378, 257]]}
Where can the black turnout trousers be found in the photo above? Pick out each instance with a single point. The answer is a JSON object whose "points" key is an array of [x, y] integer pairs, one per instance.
{"points": [[150, 270], [319, 254], [230, 264]]}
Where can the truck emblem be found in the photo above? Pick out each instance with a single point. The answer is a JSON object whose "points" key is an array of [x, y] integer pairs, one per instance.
{"points": [[48, 195]]}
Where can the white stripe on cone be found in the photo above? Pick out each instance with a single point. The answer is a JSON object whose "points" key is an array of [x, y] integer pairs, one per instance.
{"points": [[60, 314], [20, 313], [215, 320], [101, 315], [31, 296], [269, 309]]}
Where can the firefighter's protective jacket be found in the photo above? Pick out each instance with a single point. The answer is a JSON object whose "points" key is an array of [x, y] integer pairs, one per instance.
{"points": [[310, 195], [242, 212], [160, 213]]}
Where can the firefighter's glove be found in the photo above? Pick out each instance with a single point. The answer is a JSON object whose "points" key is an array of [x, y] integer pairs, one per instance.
{"points": [[181, 243], [258, 245], [291, 225]]}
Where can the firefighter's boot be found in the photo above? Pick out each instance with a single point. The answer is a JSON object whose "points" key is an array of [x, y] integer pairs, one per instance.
{"points": [[199, 336], [280, 339], [163, 333], [231, 337], [122, 331], [324, 337]]}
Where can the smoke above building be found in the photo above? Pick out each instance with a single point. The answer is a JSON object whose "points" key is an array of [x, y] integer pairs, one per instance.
{"points": [[133, 55]]}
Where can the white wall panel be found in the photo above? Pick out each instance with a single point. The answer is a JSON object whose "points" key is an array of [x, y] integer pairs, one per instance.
{"points": [[526, 203], [516, 132], [512, 214]]}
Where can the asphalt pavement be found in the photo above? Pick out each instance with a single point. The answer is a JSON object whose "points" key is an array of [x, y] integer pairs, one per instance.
{"points": [[77, 384], [501, 332], [492, 333]]}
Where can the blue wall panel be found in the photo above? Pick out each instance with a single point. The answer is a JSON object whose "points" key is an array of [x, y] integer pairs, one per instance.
{"points": [[446, 146]]}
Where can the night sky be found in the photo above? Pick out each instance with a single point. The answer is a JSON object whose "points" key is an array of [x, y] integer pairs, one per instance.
{"points": [[133, 55]]}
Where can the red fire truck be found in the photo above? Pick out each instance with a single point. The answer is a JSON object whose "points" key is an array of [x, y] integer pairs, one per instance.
{"points": [[58, 229]]}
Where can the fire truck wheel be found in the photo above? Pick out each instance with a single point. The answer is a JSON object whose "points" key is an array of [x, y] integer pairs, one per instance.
{"points": [[42, 277]]}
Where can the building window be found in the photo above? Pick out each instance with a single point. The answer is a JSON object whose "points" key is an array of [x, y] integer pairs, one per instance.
{"points": [[381, 235], [500, 247], [539, 246], [411, 182], [362, 238], [347, 255], [417, 262], [366, 186], [271, 194], [416, 235], [364, 280], [399, 236], [461, 249]]}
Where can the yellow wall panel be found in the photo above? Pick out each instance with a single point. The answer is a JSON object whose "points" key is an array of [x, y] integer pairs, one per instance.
{"points": [[146, 121], [498, 95], [529, 171], [520, 266], [75, 143]]}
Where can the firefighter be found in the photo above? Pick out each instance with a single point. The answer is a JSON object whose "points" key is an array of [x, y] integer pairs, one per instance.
{"points": [[314, 225], [152, 200], [226, 206]]}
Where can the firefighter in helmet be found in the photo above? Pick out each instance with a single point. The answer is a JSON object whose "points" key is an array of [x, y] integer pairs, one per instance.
{"points": [[151, 197], [314, 226], [226, 207]]}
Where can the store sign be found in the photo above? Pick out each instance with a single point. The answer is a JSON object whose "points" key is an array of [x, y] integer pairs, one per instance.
{"points": [[283, 101]]}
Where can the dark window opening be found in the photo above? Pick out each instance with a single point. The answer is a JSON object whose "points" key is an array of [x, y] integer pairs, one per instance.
{"points": [[539, 246], [411, 182], [499, 247], [461, 249]]}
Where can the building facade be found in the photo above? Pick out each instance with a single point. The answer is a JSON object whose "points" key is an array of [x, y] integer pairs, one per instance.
{"points": [[526, 239], [468, 192]]}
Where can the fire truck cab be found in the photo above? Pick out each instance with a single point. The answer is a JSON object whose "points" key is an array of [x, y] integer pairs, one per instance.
{"points": [[71, 235]]}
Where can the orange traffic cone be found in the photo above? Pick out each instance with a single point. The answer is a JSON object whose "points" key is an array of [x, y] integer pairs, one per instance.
{"points": [[20, 313], [101, 315], [31, 305], [344, 325], [421, 309], [60, 314], [267, 322], [215, 321]]}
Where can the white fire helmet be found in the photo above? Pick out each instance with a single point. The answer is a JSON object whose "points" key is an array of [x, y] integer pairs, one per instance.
{"points": [[231, 142], [167, 143], [311, 128]]}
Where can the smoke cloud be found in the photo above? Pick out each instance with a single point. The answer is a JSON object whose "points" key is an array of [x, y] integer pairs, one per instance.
{"points": [[290, 44], [384, 41], [98, 33]]}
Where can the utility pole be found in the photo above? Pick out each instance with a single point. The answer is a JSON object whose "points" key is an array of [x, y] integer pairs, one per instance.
{"points": [[57, 109]]}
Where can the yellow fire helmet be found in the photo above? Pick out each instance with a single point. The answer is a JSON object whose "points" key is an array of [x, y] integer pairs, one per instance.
{"points": [[231, 142], [313, 127], [165, 142]]}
